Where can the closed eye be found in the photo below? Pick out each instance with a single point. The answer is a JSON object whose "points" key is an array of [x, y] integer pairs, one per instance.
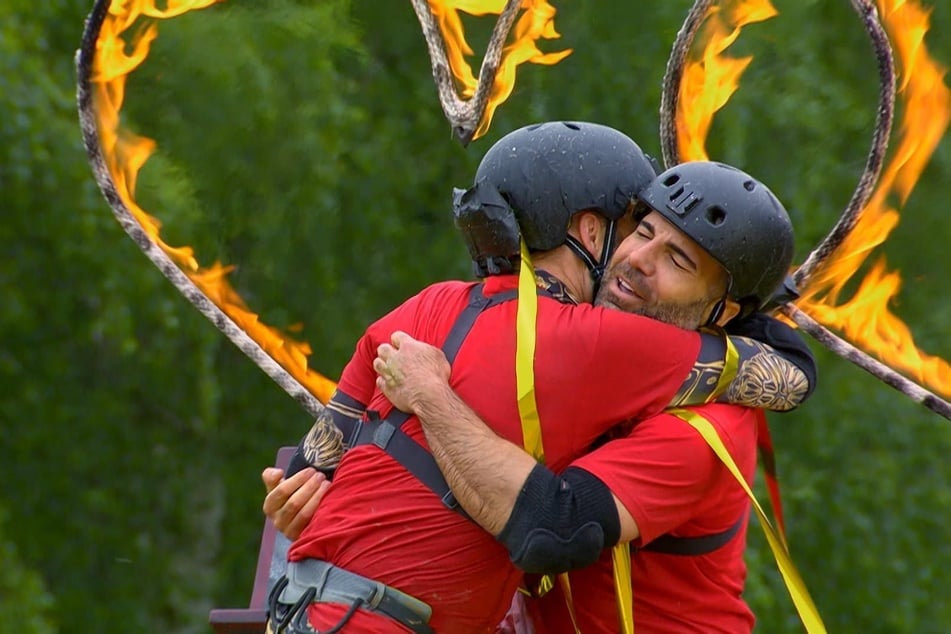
{"points": [[676, 259], [681, 259]]}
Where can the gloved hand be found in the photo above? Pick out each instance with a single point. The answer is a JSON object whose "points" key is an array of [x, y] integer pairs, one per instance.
{"points": [[786, 340]]}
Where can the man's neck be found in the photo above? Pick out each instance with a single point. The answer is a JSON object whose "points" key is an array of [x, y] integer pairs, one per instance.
{"points": [[569, 270]]}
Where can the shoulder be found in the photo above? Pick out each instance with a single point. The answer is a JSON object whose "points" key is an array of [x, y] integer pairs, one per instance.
{"points": [[440, 294]]}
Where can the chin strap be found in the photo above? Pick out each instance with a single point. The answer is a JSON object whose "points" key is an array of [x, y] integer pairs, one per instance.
{"points": [[720, 306], [715, 314], [595, 266]]}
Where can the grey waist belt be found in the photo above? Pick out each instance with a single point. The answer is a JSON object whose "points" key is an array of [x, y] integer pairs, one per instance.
{"points": [[330, 584]]}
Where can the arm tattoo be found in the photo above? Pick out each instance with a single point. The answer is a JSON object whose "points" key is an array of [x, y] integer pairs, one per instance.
{"points": [[323, 445], [701, 383], [764, 379]]}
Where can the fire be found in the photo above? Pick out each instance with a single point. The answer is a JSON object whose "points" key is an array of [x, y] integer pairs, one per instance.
{"points": [[865, 318], [536, 22], [120, 49], [710, 81]]}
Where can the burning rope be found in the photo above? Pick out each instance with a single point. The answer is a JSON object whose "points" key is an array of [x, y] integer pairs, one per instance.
{"points": [[465, 116], [850, 216], [876, 368], [132, 226], [876, 154]]}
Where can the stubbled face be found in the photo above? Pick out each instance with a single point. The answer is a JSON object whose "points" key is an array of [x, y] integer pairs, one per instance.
{"points": [[658, 272]]}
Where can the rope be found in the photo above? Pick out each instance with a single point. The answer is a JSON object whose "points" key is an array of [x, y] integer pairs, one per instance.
{"points": [[883, 124]]}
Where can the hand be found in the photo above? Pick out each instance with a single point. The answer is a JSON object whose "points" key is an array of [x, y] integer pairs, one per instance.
{"points": [[292, 502], [410, 371]]}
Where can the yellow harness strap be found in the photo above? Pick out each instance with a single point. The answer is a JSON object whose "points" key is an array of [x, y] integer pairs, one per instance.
{"points": [[731, 364], [794, 583], [621, 557], [525, 317], [525, 334]]}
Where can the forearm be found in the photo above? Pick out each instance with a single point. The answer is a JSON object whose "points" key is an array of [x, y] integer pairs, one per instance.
{"points": [[485, 472], [765, 379], [323, 446]]}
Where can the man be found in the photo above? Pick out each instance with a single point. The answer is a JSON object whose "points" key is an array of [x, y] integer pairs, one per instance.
{"points": [[569, 186], [705, 231]]}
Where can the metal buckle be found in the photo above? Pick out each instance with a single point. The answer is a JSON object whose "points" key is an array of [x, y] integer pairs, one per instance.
{"points": [[383, 434], [449, 501]]}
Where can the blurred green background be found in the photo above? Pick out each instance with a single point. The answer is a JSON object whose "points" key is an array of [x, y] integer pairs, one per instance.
{"points": [[303, 142]]}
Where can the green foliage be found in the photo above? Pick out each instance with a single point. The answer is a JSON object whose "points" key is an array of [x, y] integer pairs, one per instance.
{"points": [[303, 143], [24, 602]]}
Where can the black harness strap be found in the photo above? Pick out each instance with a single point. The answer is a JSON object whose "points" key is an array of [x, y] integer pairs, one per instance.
{"points": [[694, 546], [387, 434], [346, 412]]}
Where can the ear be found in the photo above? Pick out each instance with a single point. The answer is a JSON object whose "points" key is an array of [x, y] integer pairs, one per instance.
{"points": [[590, 230], [730, 310]]}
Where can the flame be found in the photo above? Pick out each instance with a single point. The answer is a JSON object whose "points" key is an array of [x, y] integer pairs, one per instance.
{"points": [[710, 81], [536, 22], [866, 318], [125, 153]]}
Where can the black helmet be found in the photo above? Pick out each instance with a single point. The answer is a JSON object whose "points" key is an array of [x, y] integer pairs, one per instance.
{"points": [[734, 218], [546, 173]]}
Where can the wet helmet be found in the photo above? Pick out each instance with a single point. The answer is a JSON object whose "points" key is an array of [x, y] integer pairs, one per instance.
{"points": [[541, 175], [734, 218]]}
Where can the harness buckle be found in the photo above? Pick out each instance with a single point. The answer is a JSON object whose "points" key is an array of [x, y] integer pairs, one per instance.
{"points": [[383, 434], [376, 596], [449, 501]]}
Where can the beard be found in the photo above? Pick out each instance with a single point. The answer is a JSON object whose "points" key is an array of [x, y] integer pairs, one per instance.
{"points": [[689, 315], [686, 316]]}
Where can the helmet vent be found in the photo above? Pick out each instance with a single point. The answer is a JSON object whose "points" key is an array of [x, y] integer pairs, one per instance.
{"points": [[749, 186], [716, 216], [671, 180], [571, 126]]}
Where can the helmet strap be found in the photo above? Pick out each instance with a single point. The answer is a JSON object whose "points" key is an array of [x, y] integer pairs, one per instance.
{"points": [[578, 249], [607, 249], [718, 309], [595, 267]]}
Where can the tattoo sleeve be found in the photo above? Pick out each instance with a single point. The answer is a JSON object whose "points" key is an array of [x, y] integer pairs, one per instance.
{"points": [[742, 371], [765, 379], [323, 445]]}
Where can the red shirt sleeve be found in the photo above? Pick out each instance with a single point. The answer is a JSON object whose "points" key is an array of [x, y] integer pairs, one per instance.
{"points": [[358, 379]]}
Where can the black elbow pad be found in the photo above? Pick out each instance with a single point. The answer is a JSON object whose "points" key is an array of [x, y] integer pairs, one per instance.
{"points": [[544, 552], [560, 523]]}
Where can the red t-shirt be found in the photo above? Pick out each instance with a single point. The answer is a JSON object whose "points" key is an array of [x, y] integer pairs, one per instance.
{"points": [[670, 481], [593, 367]]}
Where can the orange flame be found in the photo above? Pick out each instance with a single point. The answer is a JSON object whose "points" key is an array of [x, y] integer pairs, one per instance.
{"points": [[710, 81], [866, 318], [125, 153], [537, 22]]}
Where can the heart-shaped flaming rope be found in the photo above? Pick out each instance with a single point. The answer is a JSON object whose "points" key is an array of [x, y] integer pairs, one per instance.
{"points": [[468, 104]]}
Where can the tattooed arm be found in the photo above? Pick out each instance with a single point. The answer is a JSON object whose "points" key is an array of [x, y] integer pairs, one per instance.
{"points": [[763, 363], [291, 501], [765, 379]]}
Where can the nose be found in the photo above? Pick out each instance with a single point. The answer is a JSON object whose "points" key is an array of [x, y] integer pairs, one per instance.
{"points": [[643, 256]]}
